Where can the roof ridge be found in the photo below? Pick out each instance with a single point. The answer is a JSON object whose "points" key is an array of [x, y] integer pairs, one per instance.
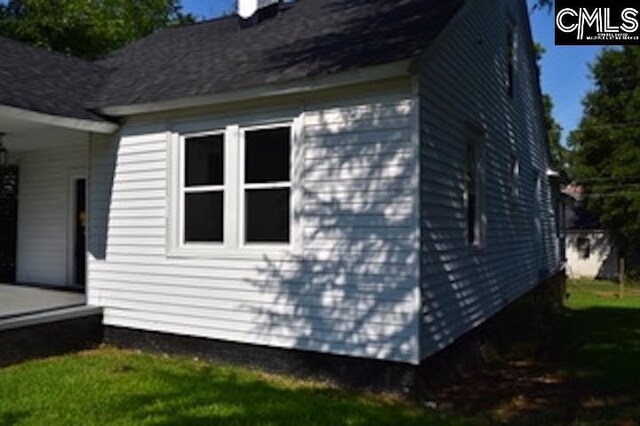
{"points": [[287, 4], [164, 30]]}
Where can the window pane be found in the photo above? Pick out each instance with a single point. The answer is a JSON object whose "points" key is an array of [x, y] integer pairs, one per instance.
{"points": [[267, 216], [471, 218], [472, 191], [584, 247], [204, 160], [471, 166], [515, 172], [268, 155], [203, 217]]}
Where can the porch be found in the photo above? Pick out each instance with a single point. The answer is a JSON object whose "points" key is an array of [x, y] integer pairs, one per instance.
{"points": [[20, 301], [43, 175], [37, 322]]}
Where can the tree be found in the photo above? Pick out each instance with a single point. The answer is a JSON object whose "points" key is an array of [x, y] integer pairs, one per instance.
{"points": [[606, 157], [87, 28]]}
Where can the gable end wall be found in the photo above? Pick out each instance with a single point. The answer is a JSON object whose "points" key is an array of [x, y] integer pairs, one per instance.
{"points": [[462, 85]]}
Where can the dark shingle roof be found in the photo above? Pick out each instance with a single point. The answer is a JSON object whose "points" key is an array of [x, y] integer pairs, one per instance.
{"points": [[578, 217], [35, 79], [311, 38]]}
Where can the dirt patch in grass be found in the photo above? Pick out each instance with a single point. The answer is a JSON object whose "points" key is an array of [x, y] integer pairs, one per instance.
{"points": [[538, 395], [587, 373]]}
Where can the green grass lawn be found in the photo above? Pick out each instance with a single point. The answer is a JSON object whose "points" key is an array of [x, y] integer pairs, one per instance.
{"points": [[602, 349], [110, 386], [606, 330], [590, 375]]}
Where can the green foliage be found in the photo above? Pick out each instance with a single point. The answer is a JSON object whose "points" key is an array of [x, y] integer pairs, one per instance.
{"points": [[606, 157], [87, 28], [633, 276], [603, 329], [544, 4]]}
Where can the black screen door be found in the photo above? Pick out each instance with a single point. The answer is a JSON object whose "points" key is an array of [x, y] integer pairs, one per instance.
{"points": [[80, 220], [8, 222]]}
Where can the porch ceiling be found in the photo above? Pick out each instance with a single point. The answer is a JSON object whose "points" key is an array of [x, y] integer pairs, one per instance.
{"points": [[27, 130], [25, 135]]}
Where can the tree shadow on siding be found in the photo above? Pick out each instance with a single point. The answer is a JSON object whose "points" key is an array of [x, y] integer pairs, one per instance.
{"points": [[355, 288], [346, 300], [352, 287]]}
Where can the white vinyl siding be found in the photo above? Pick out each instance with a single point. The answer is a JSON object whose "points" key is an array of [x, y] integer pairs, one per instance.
{"points": [[352, 286], [462, 83], [602, 262], [44, 220]]}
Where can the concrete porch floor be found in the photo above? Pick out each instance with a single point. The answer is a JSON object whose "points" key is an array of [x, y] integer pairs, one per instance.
{"points": [[16, 300], [37, 323]]}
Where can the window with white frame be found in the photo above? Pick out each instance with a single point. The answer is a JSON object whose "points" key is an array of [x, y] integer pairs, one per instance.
{"points": [[514, 176], [473, 190], [512, 55], [539, 186], [267, 185], [233, 189], [203, 188]]}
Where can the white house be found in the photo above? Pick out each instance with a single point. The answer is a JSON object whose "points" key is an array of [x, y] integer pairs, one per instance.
{"points": [[591, 252], [361, 179]]}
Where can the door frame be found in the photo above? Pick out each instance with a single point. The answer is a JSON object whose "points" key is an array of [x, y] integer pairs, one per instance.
{"points": [[71, 228]]}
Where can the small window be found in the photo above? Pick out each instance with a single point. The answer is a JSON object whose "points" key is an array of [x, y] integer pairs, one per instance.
{"points": [[584, 247], [473, 182], [540, 190], [203, 189], [514, 177], [512, 51], [267, 185]]}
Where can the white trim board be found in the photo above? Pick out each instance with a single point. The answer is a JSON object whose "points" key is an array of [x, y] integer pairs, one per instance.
{"points": [[58, 121]]}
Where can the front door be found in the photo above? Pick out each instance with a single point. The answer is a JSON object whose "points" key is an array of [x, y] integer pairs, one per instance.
{"points": [[79, 223], [8, 222]]}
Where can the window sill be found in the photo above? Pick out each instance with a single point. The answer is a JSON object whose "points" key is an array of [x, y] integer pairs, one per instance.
{"points": [[476, 248], [277, 252]]}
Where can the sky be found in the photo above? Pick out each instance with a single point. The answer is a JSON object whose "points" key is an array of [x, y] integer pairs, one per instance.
{"points": [[565, 70], [207, 8]]}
